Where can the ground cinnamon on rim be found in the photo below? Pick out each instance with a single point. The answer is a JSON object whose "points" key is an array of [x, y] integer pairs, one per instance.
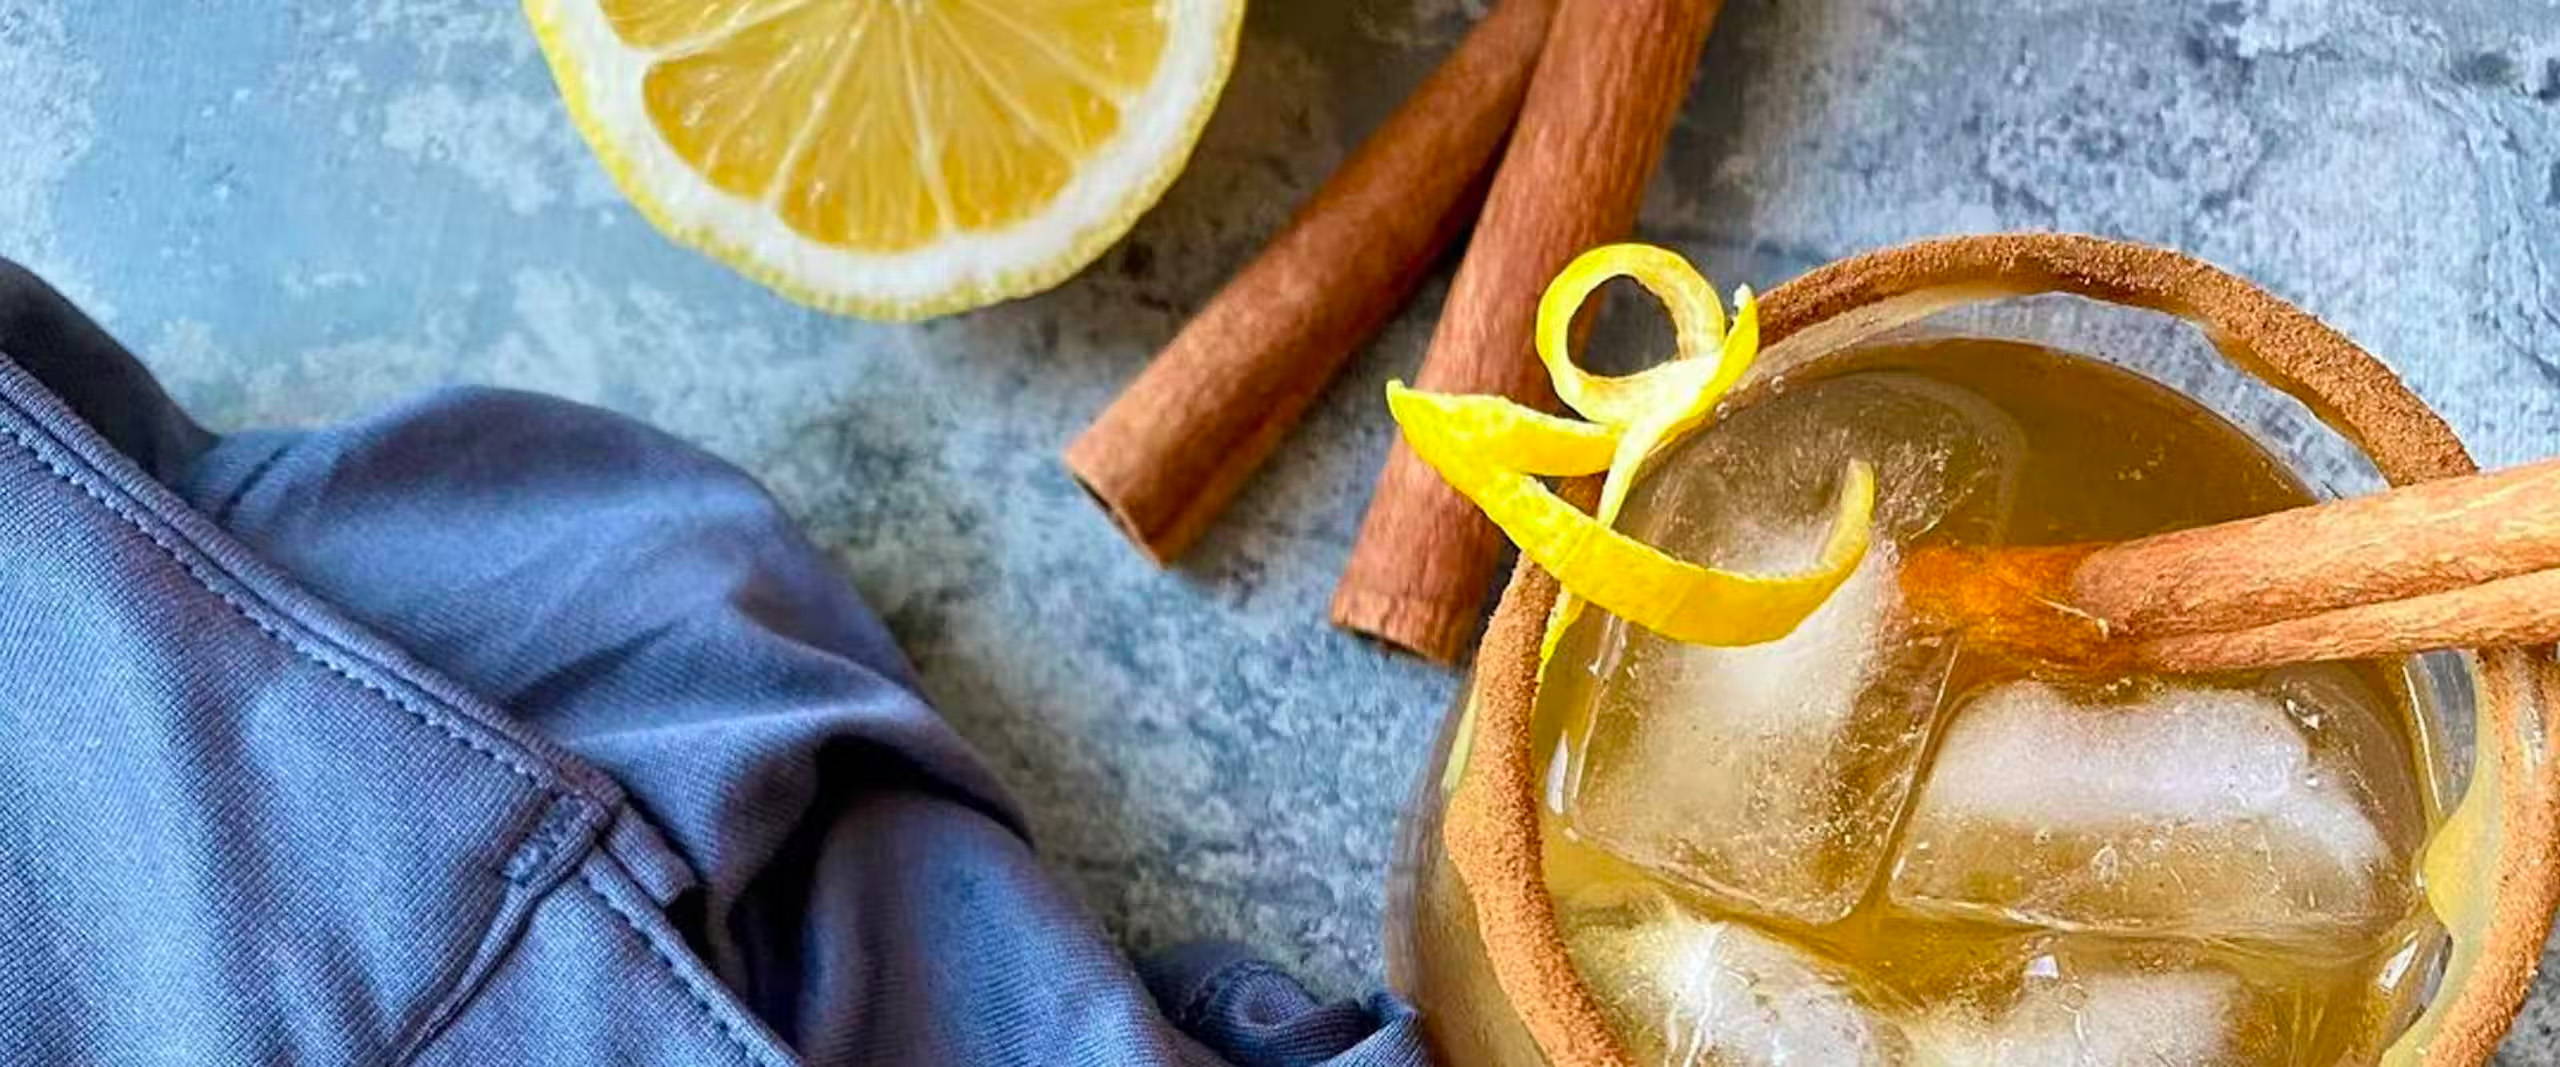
{"points": [[1492, 826]]}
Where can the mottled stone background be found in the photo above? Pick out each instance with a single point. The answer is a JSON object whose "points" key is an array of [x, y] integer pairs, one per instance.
{"points": [[299, 209]]}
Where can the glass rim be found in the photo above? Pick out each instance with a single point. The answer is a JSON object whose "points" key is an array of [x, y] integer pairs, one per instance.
{"points": [[2510, 813]]}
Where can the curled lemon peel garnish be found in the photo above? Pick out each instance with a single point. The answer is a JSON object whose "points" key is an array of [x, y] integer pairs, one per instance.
{"points": [[1493, 451]]}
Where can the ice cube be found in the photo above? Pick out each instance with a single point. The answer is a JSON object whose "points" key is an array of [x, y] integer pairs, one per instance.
{"points": [[2169, 808], [2062, 1015], [1947, 464], [1768, 776], [1686, 991]]}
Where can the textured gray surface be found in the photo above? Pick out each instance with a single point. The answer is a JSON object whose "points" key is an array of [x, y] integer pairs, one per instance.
{"points": [[299, 210]]}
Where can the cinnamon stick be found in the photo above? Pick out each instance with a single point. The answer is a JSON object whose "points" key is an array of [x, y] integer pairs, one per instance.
{"points": [[2451, 563], [2522, 610], [1177, 444], [2414, 540], [1590, 135]]}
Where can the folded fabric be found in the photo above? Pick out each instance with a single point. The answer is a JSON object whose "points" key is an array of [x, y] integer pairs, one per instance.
{"points": [[497, 729]]}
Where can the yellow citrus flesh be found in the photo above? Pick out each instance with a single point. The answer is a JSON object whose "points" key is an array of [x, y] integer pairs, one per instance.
{"points": [[892, 157]]}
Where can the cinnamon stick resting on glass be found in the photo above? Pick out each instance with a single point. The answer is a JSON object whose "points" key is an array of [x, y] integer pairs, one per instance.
{"points": [[2462, 562]]}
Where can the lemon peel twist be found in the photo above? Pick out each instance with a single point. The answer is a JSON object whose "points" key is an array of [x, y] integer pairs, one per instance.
{"points": [[1494, 451]]}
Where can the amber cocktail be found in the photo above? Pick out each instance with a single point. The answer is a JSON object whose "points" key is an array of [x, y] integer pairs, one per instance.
{"points": [[1870, 842]]}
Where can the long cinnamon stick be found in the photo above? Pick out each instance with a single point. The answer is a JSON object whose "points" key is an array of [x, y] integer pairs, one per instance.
{"points": [[1590, 135], [2522, 610], [1177, 444], [2460, 561], [2410, 541]]}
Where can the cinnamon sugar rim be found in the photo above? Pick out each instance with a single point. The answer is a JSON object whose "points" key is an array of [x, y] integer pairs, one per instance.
{"points": [[1492, 824]]}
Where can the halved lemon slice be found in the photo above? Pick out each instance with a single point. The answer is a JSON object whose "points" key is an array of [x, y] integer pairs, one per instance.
{"points": [[892, 158]]}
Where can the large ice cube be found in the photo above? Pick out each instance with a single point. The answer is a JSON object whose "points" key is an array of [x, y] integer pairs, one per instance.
{"points": [[2060, 1012], [1685, 991], [2170, 808], [1769, 776]]}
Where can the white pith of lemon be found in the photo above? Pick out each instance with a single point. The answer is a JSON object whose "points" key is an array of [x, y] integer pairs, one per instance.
{"points": [[892, 159]]}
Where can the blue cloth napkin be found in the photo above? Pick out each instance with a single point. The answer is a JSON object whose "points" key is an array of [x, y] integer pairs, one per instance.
{"points": [[497, 729]]}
